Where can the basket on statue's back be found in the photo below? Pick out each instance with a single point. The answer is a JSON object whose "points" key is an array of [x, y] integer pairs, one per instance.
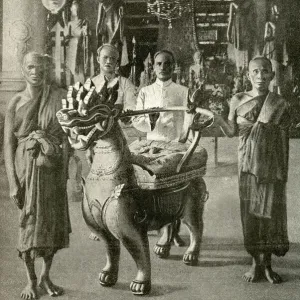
{"points": [[165, 170], [155, 163]]}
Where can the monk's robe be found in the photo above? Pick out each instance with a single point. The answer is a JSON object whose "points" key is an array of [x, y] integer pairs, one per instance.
{"points": [[263, 123], [40, 167]]}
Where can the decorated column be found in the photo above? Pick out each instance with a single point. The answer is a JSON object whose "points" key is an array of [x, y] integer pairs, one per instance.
{"points": [[24, 29]]}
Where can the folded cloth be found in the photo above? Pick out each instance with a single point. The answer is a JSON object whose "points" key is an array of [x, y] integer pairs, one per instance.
{"points": [[42, 146], [161, 158]]}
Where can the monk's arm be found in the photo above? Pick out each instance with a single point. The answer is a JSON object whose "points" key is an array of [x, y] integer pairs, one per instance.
{"points": [[229, 127], [10, 143]]}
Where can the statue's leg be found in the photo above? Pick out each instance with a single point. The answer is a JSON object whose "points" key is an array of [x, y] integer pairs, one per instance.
{"points": [[30, 291], [136, 242], [109, 274], [120, 221], [45, 282], [193, 219], [163, 245], [178, 241]]}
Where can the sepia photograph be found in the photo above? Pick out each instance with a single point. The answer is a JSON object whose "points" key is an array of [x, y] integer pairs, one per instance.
{"points": [[150, 148]]}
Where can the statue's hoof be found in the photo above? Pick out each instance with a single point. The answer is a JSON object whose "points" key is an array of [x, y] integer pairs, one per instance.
{"points": [[190, 258], [107, 278], [140, 288], [162, 251]]}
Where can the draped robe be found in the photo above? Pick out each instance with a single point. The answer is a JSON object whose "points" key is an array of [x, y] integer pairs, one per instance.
{"points": [[44, 225], [263, 165]]}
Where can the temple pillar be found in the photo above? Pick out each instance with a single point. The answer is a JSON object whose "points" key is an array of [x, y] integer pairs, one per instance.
{"points": [[24, 29]]}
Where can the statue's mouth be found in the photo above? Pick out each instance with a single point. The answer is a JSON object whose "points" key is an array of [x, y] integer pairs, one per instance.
{"points": [[83, 130]]}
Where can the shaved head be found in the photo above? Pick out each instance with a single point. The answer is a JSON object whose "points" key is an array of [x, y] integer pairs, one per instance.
{"points": [[108, 47], [33, 56], [261, 58], [34, 68]]}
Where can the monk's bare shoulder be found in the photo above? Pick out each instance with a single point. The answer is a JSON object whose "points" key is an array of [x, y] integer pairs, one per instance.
{"points": [[234, 103], [14, 102], [237, 99]]}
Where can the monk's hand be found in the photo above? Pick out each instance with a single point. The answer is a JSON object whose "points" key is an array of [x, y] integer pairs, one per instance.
{"points": [[204, 112], [15, 194]]}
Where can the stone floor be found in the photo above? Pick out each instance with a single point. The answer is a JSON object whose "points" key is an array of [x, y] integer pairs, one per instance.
{"points": [[222, 262]]}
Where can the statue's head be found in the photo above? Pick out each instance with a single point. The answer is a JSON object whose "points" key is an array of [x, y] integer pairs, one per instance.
{"points": [[87, 116], [164, 64], [54, 5], [83, 131], [107, 57], [260, 73], [75, 8], [198, 56], [33, 68]]}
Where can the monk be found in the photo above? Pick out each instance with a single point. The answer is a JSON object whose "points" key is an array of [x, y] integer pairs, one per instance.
{"points": [[261, 119], [35, 160]]}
